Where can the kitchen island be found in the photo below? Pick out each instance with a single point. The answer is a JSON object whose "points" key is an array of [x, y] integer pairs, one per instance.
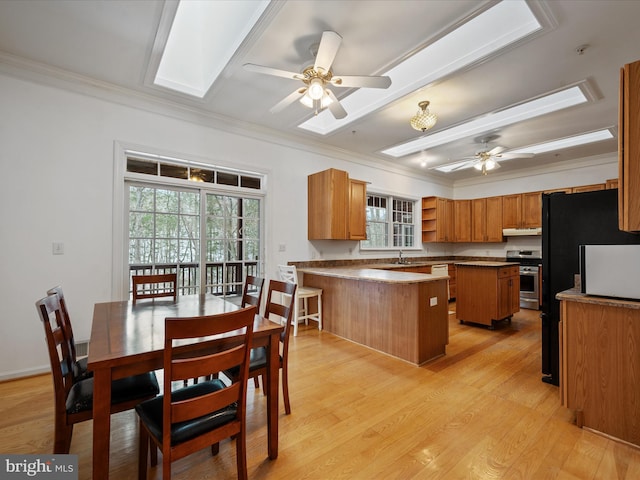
{"points": [[399, 313], [487, 291]]}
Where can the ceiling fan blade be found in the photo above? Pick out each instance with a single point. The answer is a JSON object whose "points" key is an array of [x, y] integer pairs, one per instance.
{"points": [[454, 166], [329, 44], [496, 150], [288, 100], [272, 71], [334, 107], [509, 156], [361, 81]]}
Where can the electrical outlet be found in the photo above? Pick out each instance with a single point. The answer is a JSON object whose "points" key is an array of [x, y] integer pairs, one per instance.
{"points": [[433, 301], [282, 247], [57, 248]]}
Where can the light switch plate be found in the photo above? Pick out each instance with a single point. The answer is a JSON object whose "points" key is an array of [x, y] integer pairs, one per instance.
{"points": [[57, 248]]}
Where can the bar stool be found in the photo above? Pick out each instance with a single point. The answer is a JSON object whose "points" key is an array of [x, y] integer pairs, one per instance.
{"points": [[289, 273]]}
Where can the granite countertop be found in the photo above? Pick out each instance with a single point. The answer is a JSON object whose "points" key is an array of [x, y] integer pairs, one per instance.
{"points": [[374, 274], [574, 295], [484, 263]]}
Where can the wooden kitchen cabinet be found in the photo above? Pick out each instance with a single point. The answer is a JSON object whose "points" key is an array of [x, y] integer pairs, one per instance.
{"points": [[453, 285], [629, 148], [487, 220], [487, 292], [357, 210], [437, 219], [462, 220], [600, 361], [611, 183], [588, 188], [336, 206], [522, 210]]}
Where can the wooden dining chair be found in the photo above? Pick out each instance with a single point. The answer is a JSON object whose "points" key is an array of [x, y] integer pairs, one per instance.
{"points": [[155, 286], [183, 421], [73, 399], [279, 308], [79, 365], [289, 273]]}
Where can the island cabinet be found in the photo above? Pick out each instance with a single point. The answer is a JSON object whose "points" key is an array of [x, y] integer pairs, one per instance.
{"points": [[600, 363], [438, 219], [487, 291], [399, 313], [629, 148], [487, 220], [336, 206]]}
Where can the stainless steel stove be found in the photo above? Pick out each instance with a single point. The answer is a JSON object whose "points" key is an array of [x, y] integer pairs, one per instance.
{"points": [[530, 263]]}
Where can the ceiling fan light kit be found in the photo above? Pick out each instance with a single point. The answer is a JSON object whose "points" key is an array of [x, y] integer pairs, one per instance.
{"points": [[423, 120]]}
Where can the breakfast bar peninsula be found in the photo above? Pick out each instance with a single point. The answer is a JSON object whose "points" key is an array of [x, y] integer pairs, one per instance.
{"points": [[399, 313]]}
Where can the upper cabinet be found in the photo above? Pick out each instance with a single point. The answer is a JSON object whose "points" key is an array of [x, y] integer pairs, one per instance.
{"points": [[522, 210], [336, 206], [487, 219], [437, 219], [462, 214], [629, 149], [357, 210]]}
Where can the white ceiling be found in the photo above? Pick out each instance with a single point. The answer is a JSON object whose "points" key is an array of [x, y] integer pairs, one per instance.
{"points": [[113, 42]]}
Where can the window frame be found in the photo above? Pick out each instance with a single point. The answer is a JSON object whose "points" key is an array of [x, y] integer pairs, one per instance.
{"points": [[390, 197]]}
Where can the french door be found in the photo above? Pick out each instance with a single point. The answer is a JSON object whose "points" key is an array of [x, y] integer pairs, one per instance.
{"points": [[211, 240]]}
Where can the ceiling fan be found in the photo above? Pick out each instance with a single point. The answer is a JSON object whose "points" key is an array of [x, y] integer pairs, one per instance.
{"points": [[484, 160], [317, 77]]}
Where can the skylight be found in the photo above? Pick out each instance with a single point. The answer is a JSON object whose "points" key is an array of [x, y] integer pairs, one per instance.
{"points": [[533, 108], [482, 36], [204, 36], [567, 142]]}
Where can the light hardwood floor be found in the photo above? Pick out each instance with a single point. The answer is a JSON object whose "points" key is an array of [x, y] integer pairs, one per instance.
{"points": [[479, 412]]}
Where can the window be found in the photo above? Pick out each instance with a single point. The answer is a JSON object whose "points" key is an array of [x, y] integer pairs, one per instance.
{"points": [[200, 223], [390, 222]]}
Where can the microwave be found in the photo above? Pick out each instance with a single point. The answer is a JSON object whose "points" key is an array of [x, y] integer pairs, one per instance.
{"points": [[610, 270]]}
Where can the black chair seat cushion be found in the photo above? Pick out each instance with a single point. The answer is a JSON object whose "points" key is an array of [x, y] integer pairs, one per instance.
{"points": [[141, 386], [258, 360], [80, 371], [150, 413]]}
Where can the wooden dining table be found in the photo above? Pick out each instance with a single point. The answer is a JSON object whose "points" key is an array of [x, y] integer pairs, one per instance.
{"points": [[128, 339]]}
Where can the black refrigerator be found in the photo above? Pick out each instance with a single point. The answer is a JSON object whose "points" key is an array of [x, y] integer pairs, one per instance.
{"points": [[568, 221]]}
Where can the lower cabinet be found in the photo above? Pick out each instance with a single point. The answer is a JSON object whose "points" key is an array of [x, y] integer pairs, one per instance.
{"points": [[600, 363], [486, 292]]}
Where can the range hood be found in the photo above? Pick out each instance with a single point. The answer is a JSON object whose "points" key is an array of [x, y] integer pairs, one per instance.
{"points": [[519, 232]]}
